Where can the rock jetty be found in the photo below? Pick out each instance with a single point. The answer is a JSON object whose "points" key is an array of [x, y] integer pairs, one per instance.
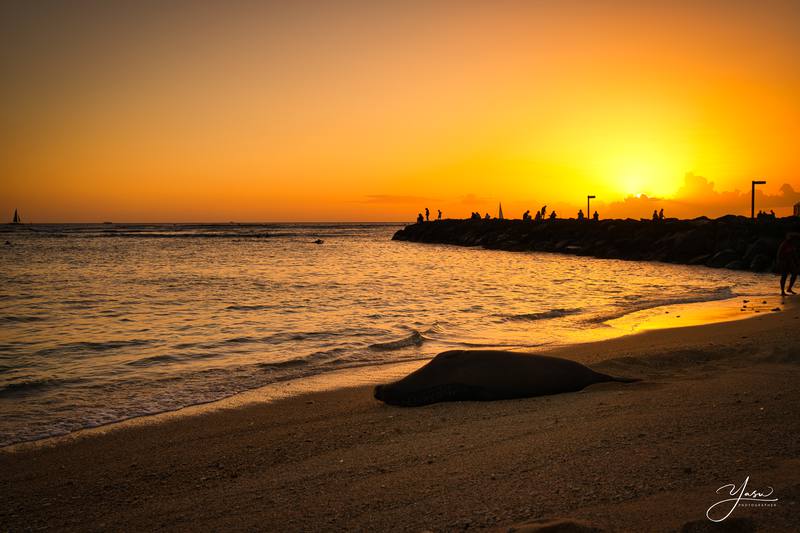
{"points": [[732, 242]]}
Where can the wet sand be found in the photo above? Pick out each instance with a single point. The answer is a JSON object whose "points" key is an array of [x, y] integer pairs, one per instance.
{"points": [[717, 403]]}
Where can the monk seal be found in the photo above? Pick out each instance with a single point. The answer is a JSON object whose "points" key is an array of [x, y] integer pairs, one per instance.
{"points": [[485, 375]]}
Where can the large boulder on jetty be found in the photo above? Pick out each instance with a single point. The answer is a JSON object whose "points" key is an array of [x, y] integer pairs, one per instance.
{"points": [[761, 263], [767, 246], [684, 245], [720, 259]]}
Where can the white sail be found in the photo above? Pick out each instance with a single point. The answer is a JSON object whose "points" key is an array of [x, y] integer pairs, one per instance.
{"points": [[500, 214]]}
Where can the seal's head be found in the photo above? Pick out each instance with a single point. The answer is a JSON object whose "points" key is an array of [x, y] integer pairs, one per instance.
{"points": [[386, 393], [378, 392]]}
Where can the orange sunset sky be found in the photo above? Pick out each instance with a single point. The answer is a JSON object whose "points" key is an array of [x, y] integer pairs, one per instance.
{"points": [[340, 111]]}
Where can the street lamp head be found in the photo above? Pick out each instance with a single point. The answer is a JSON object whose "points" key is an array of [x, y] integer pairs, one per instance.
{"points": [[759, 182], [591, 196]]}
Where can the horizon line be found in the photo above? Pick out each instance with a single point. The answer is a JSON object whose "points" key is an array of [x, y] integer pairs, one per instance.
{"points": [[410, 221]]}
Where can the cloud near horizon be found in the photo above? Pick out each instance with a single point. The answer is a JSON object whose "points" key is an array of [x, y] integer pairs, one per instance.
{"points": [[698, 196]]}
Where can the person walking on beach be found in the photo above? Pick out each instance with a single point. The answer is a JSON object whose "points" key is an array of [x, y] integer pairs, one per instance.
{"points": [[440, 215], [788, 262]]}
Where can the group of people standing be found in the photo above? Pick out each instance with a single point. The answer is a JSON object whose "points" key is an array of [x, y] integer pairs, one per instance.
{"points": [[595, 217], [428, 216], [540, 215]]}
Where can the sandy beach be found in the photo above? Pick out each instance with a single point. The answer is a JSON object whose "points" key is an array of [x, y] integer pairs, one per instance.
{"points": [[717, 403]]}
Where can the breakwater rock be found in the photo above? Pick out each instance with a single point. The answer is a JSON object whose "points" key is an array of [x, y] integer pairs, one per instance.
{"points": [[733, 242]]}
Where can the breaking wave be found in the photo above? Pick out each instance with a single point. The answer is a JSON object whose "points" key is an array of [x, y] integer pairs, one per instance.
{"points": [[31, 386], [636, 304], [415, 339], [543, 315]]}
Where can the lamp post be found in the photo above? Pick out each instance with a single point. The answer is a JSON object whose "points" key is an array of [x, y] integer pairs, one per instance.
{"points": [[588, 211], [753, 197]]}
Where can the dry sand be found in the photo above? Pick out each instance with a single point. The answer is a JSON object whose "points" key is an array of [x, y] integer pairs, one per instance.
{"points": [[718, 403]]}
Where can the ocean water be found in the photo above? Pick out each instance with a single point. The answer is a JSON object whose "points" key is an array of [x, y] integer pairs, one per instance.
{"points": [[99, 323]]}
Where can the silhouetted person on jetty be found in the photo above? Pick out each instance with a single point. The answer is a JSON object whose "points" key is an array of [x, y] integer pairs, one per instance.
{"points": [[526, 215], [427, 214], [661, 214], [655, 215], [538, 216], [595, 217], [580, 214], [475, 216], [788, 262], [543, 211], [488, 216], [440, 215], [420, 220], [553, 214]]}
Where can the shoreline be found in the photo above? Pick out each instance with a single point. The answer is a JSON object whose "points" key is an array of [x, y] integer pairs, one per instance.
{"points": [[718, 402], [633, 322], [345, 378]]}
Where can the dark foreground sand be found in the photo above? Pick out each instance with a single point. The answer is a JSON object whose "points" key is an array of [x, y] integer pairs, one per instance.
{"points": [[719, 403]]}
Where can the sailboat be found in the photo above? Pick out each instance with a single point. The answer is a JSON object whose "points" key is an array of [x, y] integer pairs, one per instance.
{"points": [[17, 220], [500, 214]]}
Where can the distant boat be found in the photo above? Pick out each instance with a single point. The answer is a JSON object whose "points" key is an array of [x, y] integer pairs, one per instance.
{"points": [[500, 214], [16, 220]]}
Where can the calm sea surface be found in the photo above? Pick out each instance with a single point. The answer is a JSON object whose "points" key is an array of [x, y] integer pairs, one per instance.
{"points": [[100, 323]]}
